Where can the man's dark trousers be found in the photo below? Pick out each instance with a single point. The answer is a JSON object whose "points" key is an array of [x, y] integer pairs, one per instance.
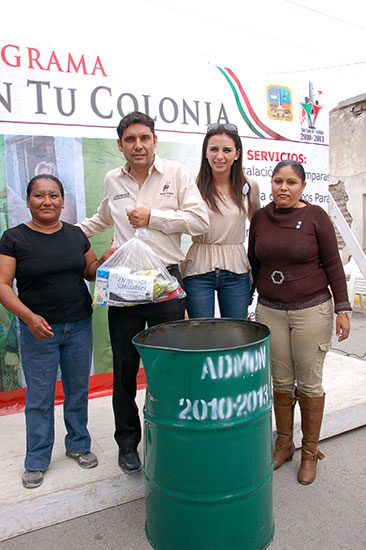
{"points": [[124, 324]]}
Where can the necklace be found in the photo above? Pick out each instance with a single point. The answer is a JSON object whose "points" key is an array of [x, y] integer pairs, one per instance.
{"points": [[223, 191], [224, 195]]}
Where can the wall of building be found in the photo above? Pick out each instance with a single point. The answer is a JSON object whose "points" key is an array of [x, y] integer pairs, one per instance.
{"points": [[347, 163]]}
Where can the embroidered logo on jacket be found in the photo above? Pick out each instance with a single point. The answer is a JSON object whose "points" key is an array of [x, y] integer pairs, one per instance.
{"points": [[165, 192], [121, 196]]}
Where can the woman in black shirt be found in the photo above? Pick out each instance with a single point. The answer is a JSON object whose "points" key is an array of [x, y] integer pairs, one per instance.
{"points": [[50, 260]]}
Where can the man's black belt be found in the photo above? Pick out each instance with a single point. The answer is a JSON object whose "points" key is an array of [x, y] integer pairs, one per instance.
{"points": [[172, 267]]}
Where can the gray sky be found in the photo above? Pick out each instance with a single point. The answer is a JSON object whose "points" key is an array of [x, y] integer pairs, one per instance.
{"points": [[322, 39]]}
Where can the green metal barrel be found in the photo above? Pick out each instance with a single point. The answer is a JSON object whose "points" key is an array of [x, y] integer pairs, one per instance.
{"points": [[207, 440]]}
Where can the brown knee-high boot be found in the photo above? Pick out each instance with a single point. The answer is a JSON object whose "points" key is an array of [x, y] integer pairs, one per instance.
{"points": [[283, 404], [311, 421]]}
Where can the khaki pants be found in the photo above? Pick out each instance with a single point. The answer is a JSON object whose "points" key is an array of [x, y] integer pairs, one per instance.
{"points": [[299, 342]]}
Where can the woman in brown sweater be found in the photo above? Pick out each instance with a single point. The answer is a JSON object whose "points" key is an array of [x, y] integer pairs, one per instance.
{"points": [[294, 256]]}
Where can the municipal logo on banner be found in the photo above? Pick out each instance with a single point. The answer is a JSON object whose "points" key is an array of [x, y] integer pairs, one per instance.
{"points": [[309, 110], [310, 107], [279, 103]]}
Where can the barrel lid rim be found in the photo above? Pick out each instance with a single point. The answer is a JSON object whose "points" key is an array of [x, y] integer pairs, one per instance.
{"points": [[201, 320]]}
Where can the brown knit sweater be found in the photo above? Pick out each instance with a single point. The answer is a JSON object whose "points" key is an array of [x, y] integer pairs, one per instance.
{"points": [[294, 257]]}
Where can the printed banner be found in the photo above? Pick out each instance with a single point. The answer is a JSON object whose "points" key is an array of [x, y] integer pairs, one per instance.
{"points": [[59, 110]]}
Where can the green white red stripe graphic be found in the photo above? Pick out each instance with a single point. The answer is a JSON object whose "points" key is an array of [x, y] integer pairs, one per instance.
{"points": [[245, 108]]}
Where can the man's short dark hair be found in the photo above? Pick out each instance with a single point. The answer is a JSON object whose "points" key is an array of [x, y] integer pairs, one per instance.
{"points": [[135, 118]]}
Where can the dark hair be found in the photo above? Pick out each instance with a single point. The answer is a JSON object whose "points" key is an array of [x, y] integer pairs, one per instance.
{"points": [[295, 165], [237, 176], [135, 118], [44, 177]]}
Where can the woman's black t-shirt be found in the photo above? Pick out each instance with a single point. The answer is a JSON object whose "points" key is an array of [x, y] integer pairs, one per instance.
{"points": [[49, 271]]}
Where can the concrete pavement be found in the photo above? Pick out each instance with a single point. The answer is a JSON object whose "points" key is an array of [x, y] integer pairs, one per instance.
{"points": [[69, 492], [327, 515]]}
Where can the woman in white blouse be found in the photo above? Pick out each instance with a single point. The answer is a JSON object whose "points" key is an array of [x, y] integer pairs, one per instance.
{"points": [[217, 261]]}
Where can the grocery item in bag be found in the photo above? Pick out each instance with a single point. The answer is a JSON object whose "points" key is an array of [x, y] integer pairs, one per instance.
{"points": [[134, 275]]}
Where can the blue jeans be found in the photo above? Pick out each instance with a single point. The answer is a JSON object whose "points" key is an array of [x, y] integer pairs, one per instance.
{"points": [[71, 348], [233, 293]]}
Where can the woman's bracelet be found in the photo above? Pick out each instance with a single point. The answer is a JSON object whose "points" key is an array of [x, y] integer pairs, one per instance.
{"points": [[348, 313]]}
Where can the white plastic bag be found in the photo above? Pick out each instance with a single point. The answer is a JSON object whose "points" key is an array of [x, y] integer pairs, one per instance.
{"points": [[134, 275]]}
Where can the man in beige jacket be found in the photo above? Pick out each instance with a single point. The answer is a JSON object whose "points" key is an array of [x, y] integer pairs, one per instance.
{"points": [[163, 196]]}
